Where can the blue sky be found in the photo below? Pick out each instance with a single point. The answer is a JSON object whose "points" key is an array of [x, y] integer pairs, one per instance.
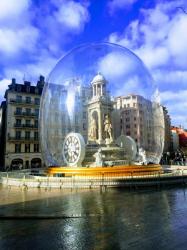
{"points": [[34, 34]]}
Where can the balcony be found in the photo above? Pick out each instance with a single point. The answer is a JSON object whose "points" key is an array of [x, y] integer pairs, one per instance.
{"points": [[21, 114], [31, 126], [24, 102], [23, 139]]}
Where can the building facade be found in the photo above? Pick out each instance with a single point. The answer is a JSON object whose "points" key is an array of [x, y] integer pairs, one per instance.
{"points": [[136, 119], [2, 133], [168, 134], [181, 135], [175, 140], [139, 120], [21, 135]]}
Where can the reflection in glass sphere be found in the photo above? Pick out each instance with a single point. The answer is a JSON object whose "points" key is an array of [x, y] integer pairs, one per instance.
{"points": [[100, 94]]}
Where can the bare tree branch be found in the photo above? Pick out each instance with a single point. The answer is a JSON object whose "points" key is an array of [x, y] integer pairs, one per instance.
{"points": [[183, 10]]}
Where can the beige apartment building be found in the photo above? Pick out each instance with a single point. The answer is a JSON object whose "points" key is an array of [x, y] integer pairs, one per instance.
{"points": [[21, 135], [137, 121]]}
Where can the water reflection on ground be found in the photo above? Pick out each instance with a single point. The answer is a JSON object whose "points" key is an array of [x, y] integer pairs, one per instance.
{"points": [[115, 219]]}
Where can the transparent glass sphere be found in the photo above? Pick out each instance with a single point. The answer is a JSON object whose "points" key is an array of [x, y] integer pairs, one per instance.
{"points": [[103, 94]]}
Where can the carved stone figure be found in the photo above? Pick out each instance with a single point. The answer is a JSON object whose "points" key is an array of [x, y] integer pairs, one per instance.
{"points": [[108, 129], [93, 130], [98, 158]]}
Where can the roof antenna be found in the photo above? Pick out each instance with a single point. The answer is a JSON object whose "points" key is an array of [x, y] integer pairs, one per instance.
{"points": [[24, 77]]}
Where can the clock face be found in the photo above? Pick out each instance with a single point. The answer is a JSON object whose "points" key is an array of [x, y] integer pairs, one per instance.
{"points": [[73, 149]]}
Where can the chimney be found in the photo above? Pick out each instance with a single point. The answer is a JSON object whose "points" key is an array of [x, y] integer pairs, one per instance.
{"points": [[41, 82], [27, 83], [13, 81]]}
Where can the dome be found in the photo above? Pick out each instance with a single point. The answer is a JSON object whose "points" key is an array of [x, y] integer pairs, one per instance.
{"points": [[81, 122], [99, 78]]}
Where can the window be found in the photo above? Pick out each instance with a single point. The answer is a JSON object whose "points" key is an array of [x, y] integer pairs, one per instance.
{"points": [[36, 148], [76, 119], [28, 89], [84, 126], [36, 135], [18, 134], [134, 104], [18, 111], [28, 122], [27, 135], [37, 101], [19, 98], [17, 148], [28, 111], [19, 88], [37, 112], [128, 126], [27, 148], [127, 119], [18, 122], [128, 105], [28, 99], [35, 123], [134, 118]]}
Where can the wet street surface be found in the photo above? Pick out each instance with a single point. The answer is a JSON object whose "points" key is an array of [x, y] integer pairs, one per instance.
{"points": [[90, 219]]}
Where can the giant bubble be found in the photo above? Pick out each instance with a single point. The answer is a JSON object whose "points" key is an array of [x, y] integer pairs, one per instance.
{"points": [[98, 101]]}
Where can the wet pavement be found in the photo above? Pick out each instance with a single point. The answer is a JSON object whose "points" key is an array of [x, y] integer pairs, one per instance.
{"points": [[90, 219]]}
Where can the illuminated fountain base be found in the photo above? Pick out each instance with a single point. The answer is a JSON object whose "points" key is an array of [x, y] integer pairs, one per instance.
{"points": [[115, 171]]}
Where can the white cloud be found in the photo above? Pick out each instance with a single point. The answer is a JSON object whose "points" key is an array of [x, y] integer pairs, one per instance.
{"points": [[31, 71], [3, 86], [160, 39], [116, 64], [174, 96], [41, 67], [176, 103], [114, 5], [17, 34], [125, 74], [32, 37], [72, 15], [13, 41], [170, 79], [177, 41], [11, 8], [153, 57]]}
